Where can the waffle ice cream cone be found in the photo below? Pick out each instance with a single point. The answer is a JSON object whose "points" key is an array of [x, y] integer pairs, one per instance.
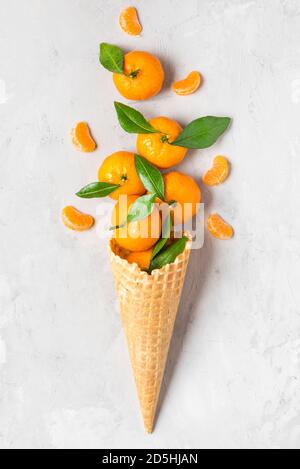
{"points": [[148, 306]]}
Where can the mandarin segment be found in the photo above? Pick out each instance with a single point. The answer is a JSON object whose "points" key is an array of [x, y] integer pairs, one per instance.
{"points": [[156, 148], [119, 168], [189, 85], [76, 220], [129, 21], [138, 235], [142, 259], [82, 138], [219, 228], [143, 76], [218, 173]]}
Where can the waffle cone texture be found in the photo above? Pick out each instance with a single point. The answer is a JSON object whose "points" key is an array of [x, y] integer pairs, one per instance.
{"points": [[148, 307]]}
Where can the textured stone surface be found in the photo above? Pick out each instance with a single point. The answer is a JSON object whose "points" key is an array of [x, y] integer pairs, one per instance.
{"points": [[233, 373]]}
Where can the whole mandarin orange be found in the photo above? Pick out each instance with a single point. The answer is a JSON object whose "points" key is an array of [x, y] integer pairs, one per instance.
{"points": [[143, 76], [156, 148], [138, 235], [142, 259], [119, 168], [184, 190]]}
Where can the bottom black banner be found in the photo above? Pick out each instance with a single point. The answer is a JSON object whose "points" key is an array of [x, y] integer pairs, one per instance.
{"points": [[105, 457]]}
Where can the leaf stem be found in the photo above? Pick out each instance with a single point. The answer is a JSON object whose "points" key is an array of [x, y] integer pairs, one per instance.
{"points": [[117, 227]]}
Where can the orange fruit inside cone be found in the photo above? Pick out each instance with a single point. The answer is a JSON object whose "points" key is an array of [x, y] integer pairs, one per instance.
{"points": [[156, 148], [218, 173], [219, 228], [142, 259], [129, 21], [139, 235], [189, 85], [143, 76], [119, 168], [185, 191], [82, 139], [76, 220]]}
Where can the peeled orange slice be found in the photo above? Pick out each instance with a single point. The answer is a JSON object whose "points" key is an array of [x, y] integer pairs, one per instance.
{"points": [[76, 220], [218, 173], [129, 21], [218, 227], [189, 85], [82, 139]]}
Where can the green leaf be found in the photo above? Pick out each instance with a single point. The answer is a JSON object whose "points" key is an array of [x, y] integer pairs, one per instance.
{"points": [[166, 233], [97, 189], [150, 176], [117, 227], [111, 57], [141, 208], [169, 254], [202, 132], [132, 121]]}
